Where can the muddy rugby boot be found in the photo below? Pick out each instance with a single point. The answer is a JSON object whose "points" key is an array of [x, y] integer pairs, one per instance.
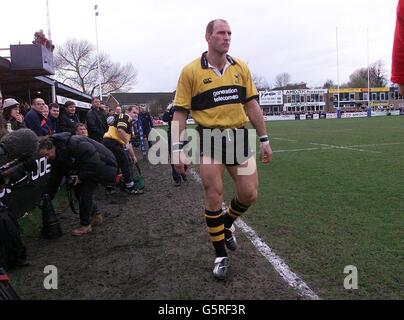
{"points": [[222, 266], [231, 242]]}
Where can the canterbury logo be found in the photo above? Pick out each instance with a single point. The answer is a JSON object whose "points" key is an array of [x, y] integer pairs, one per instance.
{"points": [[207, 81]]}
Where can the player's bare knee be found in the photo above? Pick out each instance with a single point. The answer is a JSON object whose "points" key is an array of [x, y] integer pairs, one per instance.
{"points": [[248, 197]]}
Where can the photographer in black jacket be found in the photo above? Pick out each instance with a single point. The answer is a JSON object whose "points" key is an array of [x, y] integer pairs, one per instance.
{"points": [[88, 163]]}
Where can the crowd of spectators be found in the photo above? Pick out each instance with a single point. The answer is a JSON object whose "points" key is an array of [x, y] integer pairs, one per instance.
{"points": [[59, 122]]}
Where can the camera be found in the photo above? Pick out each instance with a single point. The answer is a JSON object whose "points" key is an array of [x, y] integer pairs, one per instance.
{"points": [[17, 171]]}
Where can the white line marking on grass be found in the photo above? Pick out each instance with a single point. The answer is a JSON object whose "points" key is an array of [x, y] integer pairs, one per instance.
{"points": [[283, 139], [280, 266], [298, 150], [377, 145], [344, 148], [354, 148]]}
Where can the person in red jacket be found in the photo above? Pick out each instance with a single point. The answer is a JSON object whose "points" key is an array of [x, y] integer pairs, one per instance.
{"points": [[397, 69]]}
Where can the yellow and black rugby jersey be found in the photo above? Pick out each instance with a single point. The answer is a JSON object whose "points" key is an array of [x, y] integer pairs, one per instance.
{"points": [[122, 122], [215, 101]]}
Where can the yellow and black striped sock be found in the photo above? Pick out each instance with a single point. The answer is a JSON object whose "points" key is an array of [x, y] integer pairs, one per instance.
{"points": [[235, 211], [215, 222]]}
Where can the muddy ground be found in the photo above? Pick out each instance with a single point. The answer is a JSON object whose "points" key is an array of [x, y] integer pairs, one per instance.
{"points": [[151, 246]]}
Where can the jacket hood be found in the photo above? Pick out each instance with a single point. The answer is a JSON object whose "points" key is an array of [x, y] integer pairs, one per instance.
{"points": [[61, 138]]}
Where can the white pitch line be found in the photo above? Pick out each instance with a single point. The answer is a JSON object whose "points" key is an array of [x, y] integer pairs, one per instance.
{"points": [[354, 148], [283, 139], [280, 266], [377, 145], [344, 148], [298, 150]]}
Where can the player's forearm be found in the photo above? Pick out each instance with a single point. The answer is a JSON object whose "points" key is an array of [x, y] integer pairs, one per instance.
{"points": [[178, 127], [256, 118]]}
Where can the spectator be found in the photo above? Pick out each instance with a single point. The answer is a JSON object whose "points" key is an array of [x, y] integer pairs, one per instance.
{"points": [[35, 120], [68, 118], [96, 121], [81, 130], [45, 111], [111, 118], [11, 113], [53, 117], [147, 124], [104, 109], [88, 163], [24, 108], [118, 110]]}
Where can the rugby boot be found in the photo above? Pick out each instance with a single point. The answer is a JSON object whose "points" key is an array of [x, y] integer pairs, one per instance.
{"points": [[221, 268]]}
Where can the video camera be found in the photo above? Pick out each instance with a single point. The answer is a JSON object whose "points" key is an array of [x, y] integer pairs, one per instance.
{"points": [[17, 171], [16, 156]]}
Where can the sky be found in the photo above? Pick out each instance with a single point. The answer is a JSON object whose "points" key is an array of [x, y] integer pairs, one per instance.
{"points": [[159, 37]]}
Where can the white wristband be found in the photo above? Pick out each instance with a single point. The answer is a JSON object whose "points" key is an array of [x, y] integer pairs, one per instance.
{"points": [[264, 139]]}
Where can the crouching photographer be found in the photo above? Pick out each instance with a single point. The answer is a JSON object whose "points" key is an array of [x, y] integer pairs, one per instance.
{"points": [[92, 164]]}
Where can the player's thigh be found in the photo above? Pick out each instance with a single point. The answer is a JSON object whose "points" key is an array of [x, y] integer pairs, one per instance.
{"points": [[245, 177], [211, 174]]}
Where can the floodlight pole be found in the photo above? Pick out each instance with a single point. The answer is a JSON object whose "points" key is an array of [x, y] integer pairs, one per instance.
{"points": [[53, 87], [98, 52], [338, 83]]}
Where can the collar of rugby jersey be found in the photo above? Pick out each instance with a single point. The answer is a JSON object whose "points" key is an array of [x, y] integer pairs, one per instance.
{"points": [[205, 64]]}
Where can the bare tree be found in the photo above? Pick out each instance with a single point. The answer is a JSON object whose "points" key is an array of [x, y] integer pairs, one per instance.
{"points": [[76, 65], [329, 84], [282, 79], [377, 73], [260, 81]]}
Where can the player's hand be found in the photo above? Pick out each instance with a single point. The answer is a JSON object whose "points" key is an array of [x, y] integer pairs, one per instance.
{"points": [[179, 161], [266, 153]]}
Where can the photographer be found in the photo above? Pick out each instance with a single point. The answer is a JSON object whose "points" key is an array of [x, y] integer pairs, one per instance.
{"points": [[88, 163]]}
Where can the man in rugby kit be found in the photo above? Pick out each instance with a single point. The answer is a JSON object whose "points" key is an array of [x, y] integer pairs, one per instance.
{"points": [[219, 92], [117, 139]]}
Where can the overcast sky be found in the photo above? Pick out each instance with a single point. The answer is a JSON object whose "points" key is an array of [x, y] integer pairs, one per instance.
{"points": [[160, 36]]}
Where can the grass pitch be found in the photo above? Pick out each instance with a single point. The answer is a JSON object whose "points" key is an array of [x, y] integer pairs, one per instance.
{"points": [[333, 197]]}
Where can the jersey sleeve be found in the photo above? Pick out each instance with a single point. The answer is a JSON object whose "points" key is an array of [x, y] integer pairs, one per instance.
{"points": [[251, 89], [183, 94]]}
